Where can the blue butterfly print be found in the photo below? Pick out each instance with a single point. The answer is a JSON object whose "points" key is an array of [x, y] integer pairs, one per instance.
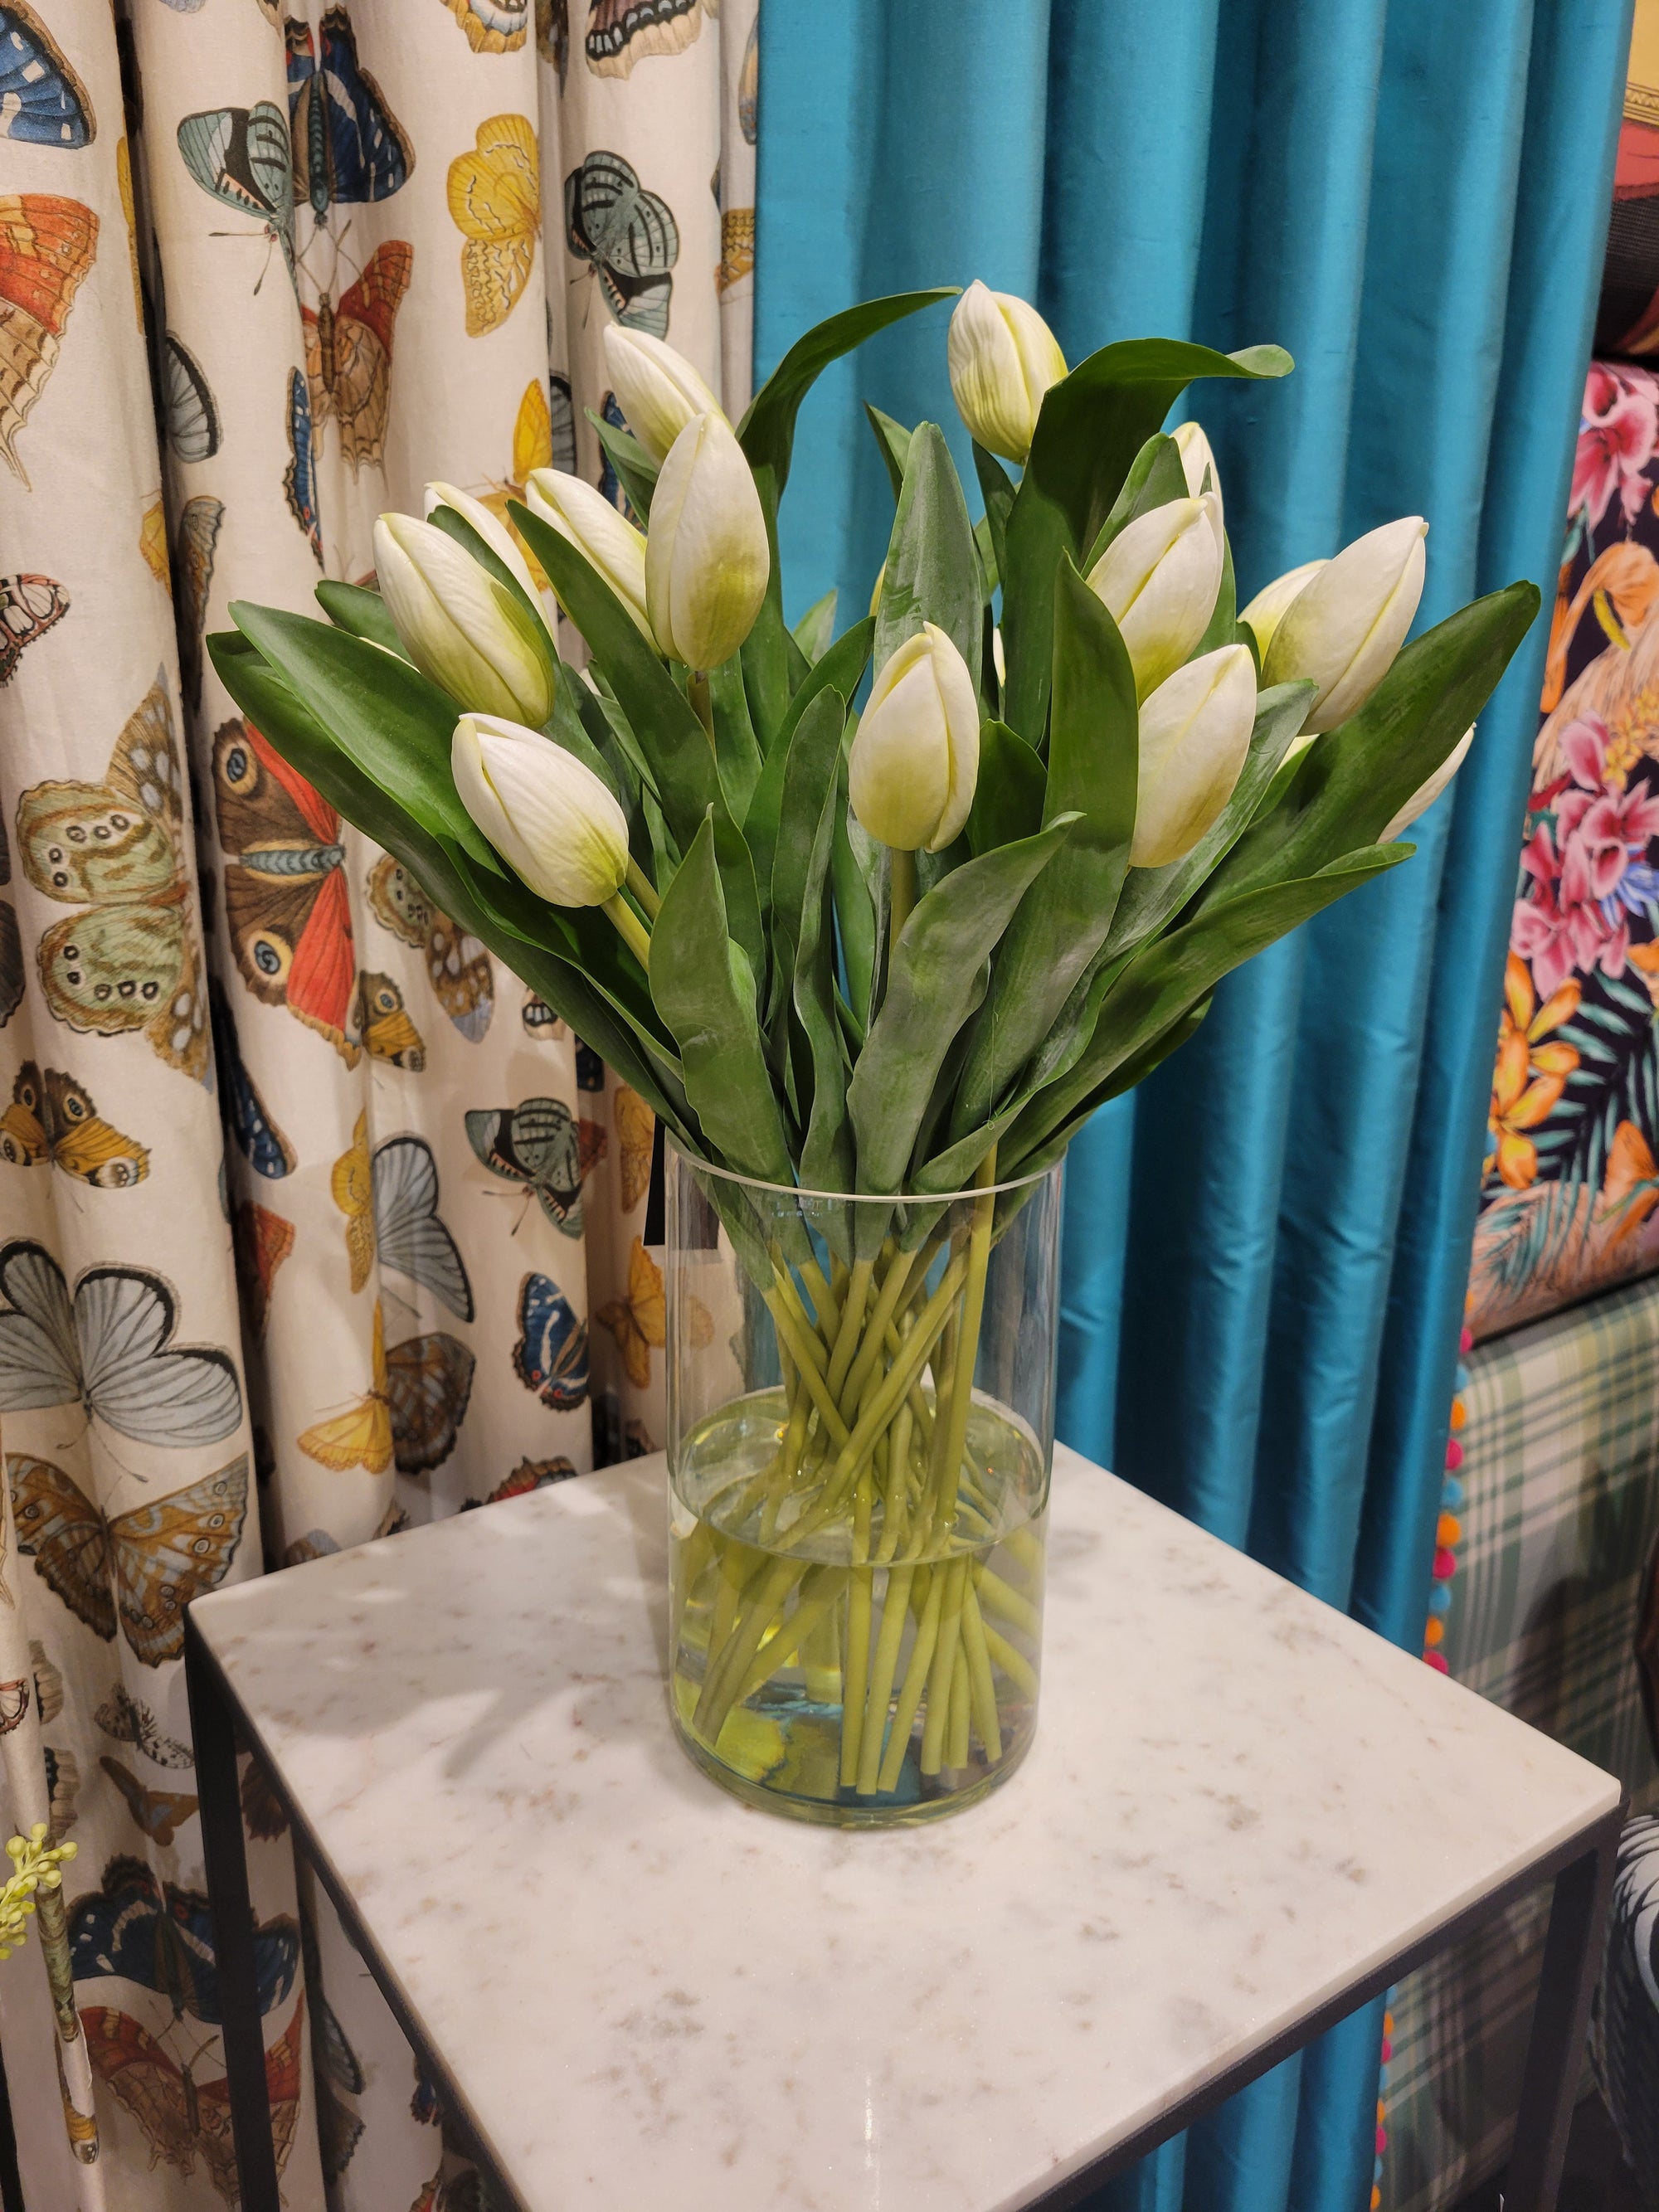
{"points": [[243, 157], [300, 477], [609, 482], [160, 1936], [260, 1142], [42, 102], [551, 1353], [348, 145], [627, 235]]}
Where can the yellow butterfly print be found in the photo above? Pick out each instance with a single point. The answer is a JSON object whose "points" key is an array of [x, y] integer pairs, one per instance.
{"points": [[362, 1437], [636, 1127], [640, 1321], [495, 200], [123, 185], [58, 1121], [153, 543], [352, 1183], [131, 959], [533, 448], [492, 27], [383, 1025]]}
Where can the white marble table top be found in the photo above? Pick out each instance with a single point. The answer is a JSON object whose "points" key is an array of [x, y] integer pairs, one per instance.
{"points": [[1238, 1803]]}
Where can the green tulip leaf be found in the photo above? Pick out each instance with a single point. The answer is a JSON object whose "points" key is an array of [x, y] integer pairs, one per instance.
{"points": [[636, 471], [1008, 794], [935, 980], [532, 621], [737, 749], [808, 784], [1134, 1070], [817, 627], [703, 987], [855, 865], [841, 669], [1156, 476], [932, 573], [1223, 624], [997, 490], [893, 441], [826, 1158], [364, 613]]}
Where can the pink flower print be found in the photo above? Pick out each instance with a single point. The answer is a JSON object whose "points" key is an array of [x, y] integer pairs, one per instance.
{"points": [[1587, 868], [1616, 440]]}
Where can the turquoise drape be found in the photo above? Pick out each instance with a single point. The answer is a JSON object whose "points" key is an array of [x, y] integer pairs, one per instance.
{"points": [[1266, 1253]]}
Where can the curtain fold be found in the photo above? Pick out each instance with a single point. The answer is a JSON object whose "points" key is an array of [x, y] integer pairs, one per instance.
{"points": [[1265, 1250]]}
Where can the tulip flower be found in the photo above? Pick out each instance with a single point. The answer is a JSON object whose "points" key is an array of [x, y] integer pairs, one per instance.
{"points": [[608, 541], [1344, 628], [1002, 357], [546, 812], [1427, 791], [468, 633], [1196, 458], [1159, 578], [490, 527], [1266, 610], [1194, 735], [915, 759], [657, 388], [706, 560]]}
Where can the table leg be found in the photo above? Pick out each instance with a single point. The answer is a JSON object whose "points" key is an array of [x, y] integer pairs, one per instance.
{"points": [[224, 1853], [1560, 2022]]}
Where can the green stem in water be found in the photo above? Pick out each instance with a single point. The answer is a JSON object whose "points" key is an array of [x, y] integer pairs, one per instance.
{"points": [[915, 1676], [632, 931], [643, 890], [856, 1674], [943, 1669]]}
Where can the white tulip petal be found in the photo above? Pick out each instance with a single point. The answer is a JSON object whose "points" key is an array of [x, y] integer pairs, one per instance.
{"points": [[607, 540], [544, 812], [1266, 610], [1343, 629], [657, 388], [1159, 578], [490, 527], [1197, 461], [1427, 791], [706, 560], [459, 627], [1002, 357], [1194, 737], [914, 758]]}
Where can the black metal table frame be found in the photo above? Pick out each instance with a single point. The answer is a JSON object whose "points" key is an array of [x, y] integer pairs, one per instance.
{"points": [[1582, 1867]]}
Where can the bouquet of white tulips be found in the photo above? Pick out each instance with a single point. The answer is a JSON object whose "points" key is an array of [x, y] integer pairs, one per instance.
{"points": [[900, 950]]}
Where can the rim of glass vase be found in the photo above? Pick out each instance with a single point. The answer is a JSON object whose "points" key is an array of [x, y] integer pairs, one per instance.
{"points": [[862, 1197]]}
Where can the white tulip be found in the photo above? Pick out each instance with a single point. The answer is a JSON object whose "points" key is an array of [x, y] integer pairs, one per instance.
{"points": [[1426, 792], [490, 527], [1002, 357], [657, 388], [915, 759], [1344, 628], [1197, 459], [461, 628], [1194, 735], [608, 540], [1266, 610], [546, 813], [706, 560], [1159, 578]]}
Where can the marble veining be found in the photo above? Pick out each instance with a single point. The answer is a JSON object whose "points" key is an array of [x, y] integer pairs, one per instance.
{"points": [[1237, 1801]]}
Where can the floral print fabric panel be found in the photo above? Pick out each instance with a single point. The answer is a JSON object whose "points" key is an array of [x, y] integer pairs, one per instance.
{"points": [[1570, 1200]]}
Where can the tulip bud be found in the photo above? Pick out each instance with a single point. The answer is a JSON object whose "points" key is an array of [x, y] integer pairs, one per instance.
{"points": [[490, 527], [1427, 791], [544, 812], [915, 760], [1002, 358], [657, 388], [1194, 735], [609, 542], [1344, 628], [1266, 610], [461, 628], [1197, 459], [707, 559], [1159, 578]]}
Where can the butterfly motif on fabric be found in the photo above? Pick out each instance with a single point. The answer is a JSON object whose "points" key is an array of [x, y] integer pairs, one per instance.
{"points": [[553, 35], [260, 1142], [551, 1354], [529, 1474], [492, 27], [193, 548], [142, 1568], [494, 201], [639, 1322], [590, 1068], [47, 245], [262, 1810], [153, 543], [411, 1239], [351, 1185], [160, 1935], [185, 2120], [627, 235], [609, 482], [189, 409], [286, 901], [29, 606], [533, 448], [621, 32], [457, 964], [124, 185], [63, 1790], [348, 147], [243, 157], [736, 258], [300, 476], [159, 1813], [383, 1023], [362, 1435], [593, 1143], [429, 1383], [42, 102], [337, 2070], [56, 1120], [132, 959], [636, 1126], [540, 1021], [748, 85], [534, 1145], [348, 353], [129, 1720], [262, 1240]]}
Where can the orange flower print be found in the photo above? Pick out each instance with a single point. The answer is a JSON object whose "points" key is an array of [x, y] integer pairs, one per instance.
{"points": [[1529, 1075], [1631, 1191]]}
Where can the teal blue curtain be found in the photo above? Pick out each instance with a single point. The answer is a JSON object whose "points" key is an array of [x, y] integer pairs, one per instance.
{"points": [[1265, 1250]]}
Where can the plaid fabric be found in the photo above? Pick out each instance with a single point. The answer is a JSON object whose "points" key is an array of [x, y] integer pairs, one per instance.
{"points": [[1560, 1512]]}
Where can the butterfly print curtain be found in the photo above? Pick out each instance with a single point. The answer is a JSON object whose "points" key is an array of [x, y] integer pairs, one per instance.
{"points": [[314, 1221]]}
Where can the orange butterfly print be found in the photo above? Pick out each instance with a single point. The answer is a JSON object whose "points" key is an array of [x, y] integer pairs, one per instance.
{"points": [[639, 1322], [263, 1241], [46, 246], [159, 1813], [348, 353]]}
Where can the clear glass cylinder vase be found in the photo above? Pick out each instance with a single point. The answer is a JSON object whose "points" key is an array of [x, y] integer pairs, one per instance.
{"points": [[860, 1428]]}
